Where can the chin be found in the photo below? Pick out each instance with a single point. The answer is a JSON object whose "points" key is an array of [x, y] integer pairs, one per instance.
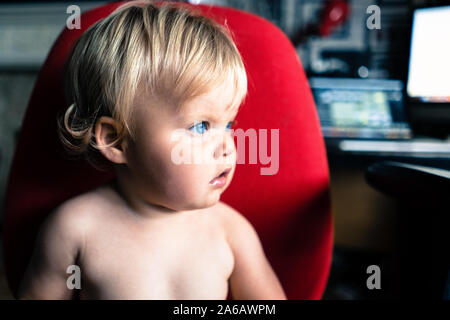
{"points": [[204, 201], [210, 201]]}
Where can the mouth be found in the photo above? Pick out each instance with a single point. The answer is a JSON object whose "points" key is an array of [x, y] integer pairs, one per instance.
{"points": [[221, 179]]}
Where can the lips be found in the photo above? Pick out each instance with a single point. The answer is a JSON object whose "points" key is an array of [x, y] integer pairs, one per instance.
{"points": [[221, 179]]}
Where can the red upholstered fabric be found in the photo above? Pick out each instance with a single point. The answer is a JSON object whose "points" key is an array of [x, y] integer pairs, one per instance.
{"points": [[290, 210]]}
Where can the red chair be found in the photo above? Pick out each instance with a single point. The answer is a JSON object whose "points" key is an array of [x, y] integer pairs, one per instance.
{"points": [[290, 210]]}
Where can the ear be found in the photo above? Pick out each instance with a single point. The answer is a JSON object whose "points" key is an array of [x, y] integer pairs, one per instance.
{"points": [[105, 133]]}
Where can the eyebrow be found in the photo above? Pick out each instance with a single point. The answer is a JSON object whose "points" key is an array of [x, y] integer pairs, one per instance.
{"points": [[208, 114]]}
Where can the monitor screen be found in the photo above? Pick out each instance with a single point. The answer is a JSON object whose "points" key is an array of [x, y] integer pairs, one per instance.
{"points": [[429, 62], [360, 108]]}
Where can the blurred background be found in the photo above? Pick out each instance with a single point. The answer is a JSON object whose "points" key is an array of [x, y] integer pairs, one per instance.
{"points": [[356, 54]]}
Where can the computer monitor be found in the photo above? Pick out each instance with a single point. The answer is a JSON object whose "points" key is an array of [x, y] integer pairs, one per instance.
{"points": [[428, 81], [360, 108]]}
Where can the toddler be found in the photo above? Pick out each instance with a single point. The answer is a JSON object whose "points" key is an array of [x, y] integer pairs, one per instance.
{"points": [[150, 85]]}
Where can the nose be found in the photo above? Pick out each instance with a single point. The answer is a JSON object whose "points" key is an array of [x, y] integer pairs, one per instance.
{"points": [[225, 146]]}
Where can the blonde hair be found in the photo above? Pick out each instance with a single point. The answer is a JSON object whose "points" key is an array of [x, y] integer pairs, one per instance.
{"points": [[174, 52]]}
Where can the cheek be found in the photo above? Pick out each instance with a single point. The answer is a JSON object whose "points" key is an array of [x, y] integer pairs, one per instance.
{"points": [[147, 157], [171, 165], [187, 176], [190, 166], [192, 150]]}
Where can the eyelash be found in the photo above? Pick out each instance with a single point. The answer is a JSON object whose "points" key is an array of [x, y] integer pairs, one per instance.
{"points": [[231, 124]]}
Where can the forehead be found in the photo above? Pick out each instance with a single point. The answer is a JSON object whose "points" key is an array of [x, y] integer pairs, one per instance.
{"points": [[218, 100]]}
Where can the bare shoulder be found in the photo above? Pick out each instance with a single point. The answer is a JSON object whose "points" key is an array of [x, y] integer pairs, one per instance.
{"points": [[77, 214], [235, 224], [60, 241], [227, 214], [252, 277]]}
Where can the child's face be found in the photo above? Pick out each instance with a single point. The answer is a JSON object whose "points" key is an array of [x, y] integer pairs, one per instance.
{"points": [[164, 136]]}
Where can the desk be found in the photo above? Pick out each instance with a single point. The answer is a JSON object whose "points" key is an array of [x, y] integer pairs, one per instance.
{"points": [[427, 152], [415, 226]]}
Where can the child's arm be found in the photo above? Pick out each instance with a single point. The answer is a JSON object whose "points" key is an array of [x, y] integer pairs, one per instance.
{"points": [[57, 247], [252, 277]]}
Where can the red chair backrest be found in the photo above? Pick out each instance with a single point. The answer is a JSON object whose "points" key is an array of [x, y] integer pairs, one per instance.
{"points": [[290, 210]]}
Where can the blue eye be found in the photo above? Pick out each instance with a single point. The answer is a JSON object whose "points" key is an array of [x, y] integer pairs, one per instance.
{"points": [[200, 127], [230, 124]]}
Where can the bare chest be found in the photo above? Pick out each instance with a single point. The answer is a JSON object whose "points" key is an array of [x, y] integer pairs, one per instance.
{"points": [[161, 263]]}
